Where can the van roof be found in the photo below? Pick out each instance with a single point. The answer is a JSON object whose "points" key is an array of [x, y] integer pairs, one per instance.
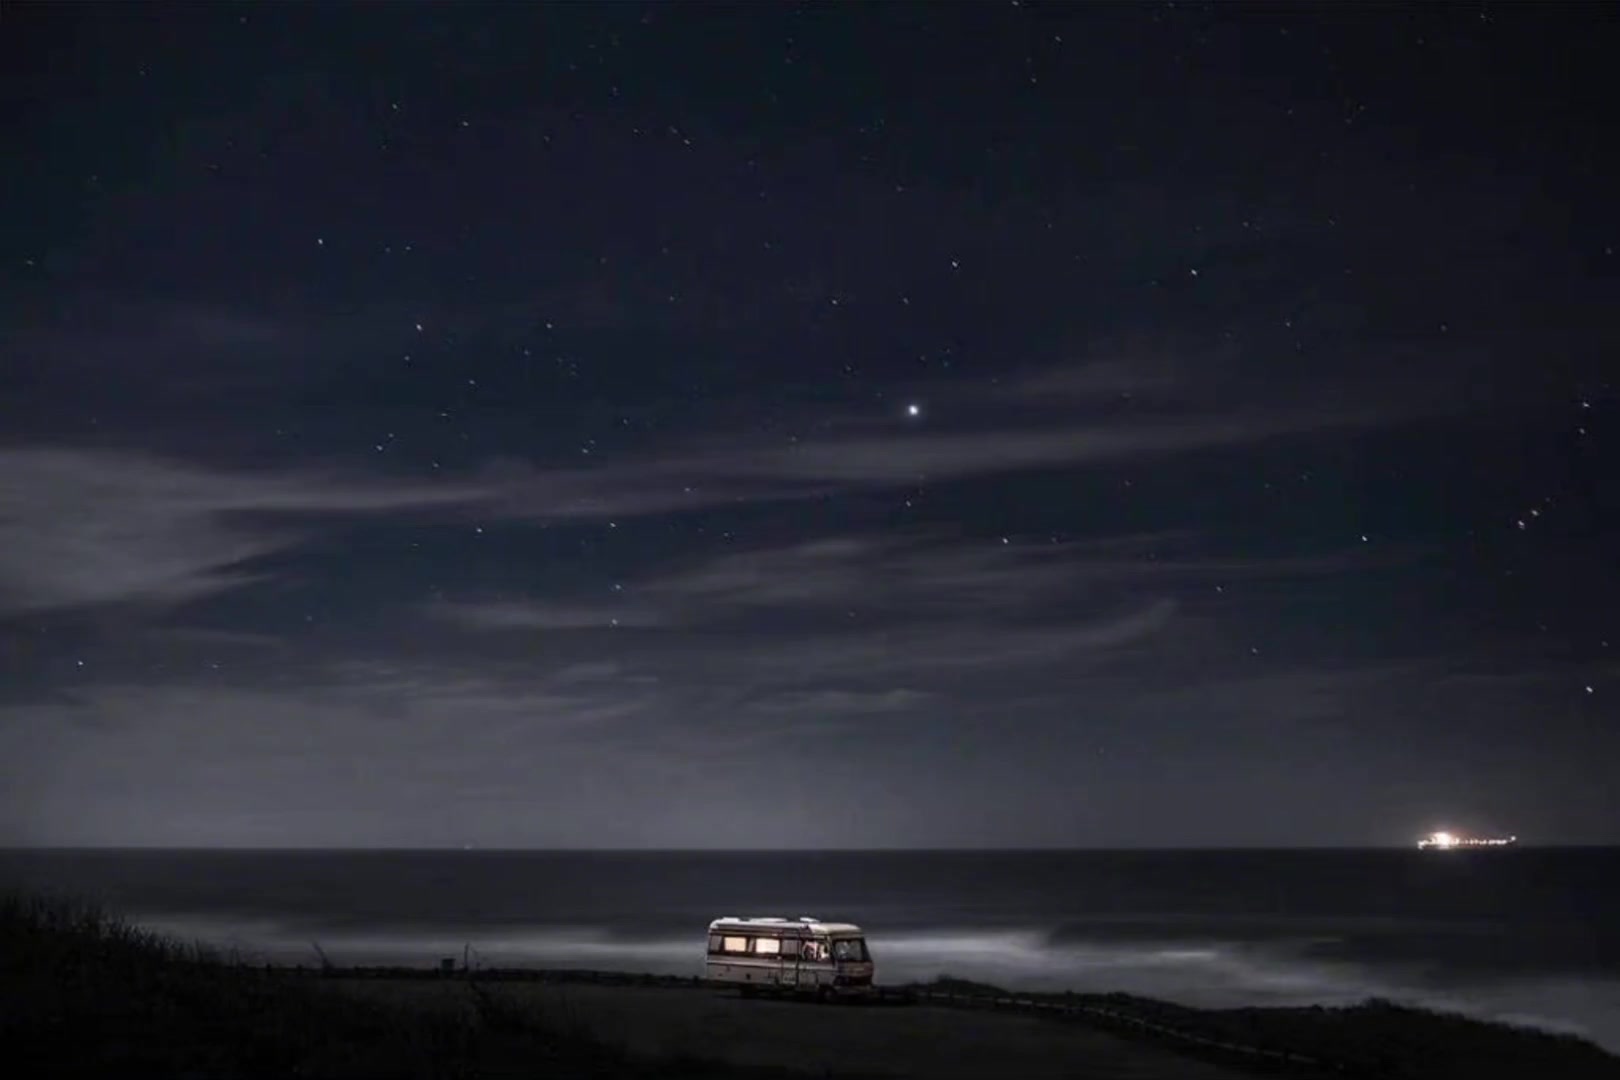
{"points": [[803, 923]]}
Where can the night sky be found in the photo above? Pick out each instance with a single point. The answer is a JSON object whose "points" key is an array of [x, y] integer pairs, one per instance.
{"points": [[802, 426]]}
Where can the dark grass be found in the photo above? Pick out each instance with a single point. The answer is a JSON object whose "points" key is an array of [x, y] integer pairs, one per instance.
{"points": [[1374, 1039], [84, 994]]}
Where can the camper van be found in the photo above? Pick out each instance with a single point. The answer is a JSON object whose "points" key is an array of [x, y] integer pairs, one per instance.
{"points": [[789, 956]]}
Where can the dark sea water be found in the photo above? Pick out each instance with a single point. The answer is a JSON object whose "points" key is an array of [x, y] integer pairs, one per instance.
{"points": [[1525, 935]]}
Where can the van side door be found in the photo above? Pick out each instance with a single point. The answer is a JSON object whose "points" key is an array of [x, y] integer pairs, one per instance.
{"points": [[790, 962]]}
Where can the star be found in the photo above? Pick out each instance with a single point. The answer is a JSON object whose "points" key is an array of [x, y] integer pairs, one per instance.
{"points": [[913, 410]]}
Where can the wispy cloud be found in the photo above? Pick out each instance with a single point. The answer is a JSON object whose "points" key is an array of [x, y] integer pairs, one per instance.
{"points": [[916, 573], [925, 575], [190, 763], [85, 527], [95, 526], [840, 703], [880, 580], [909, 457], [1090, 381], [866, 459], [204, 636], [540, 615], [933, 654]]}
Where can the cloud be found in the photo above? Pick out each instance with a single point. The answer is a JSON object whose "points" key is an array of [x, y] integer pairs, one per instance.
{"points": [[885, 580], [1160, 563], [96, 526], [920, 574], [794, 573], [917, 610], [1096, 380], [957, 652], [712, 475], [86, 527], [833, 703], [361, 753], [908, 458], [531, 615], [211, 636]]}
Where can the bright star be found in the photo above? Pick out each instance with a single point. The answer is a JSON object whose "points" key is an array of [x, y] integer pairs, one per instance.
{"points": [[914, 409]]}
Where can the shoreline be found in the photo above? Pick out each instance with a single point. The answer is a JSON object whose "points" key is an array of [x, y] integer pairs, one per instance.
{"points": [[98, 996]]}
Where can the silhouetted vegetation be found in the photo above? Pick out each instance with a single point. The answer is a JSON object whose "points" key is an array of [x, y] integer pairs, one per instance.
{"points": [[83, 994]]}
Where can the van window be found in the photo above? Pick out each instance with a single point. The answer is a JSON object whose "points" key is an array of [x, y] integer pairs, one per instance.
{"points": [[767, 946], [716, 943], [850, 950], [734, 945]]}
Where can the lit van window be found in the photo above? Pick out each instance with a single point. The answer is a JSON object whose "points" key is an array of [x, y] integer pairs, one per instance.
{"points": [[736, 944], [768, 946]]}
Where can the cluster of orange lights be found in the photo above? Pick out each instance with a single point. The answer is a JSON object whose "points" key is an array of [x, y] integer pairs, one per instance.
{"points": [[1446, 841]]}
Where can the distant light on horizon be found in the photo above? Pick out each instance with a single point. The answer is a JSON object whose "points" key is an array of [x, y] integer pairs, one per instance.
{"points": [[1445, 841]]}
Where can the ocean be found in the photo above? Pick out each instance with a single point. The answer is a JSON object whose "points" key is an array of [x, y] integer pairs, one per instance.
{"points": [[1523, 935]]}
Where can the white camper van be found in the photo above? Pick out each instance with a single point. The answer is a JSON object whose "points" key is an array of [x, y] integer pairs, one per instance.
{"points": [[803, 955]]}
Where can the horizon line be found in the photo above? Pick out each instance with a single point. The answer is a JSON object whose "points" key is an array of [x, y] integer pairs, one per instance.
{"points": [[777, 850]]}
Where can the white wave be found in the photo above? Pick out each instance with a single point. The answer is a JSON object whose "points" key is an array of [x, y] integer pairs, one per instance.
{"points": [[1207, 974]]}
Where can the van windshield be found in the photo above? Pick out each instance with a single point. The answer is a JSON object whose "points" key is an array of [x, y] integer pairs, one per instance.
{"points": [[850, 950]]}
